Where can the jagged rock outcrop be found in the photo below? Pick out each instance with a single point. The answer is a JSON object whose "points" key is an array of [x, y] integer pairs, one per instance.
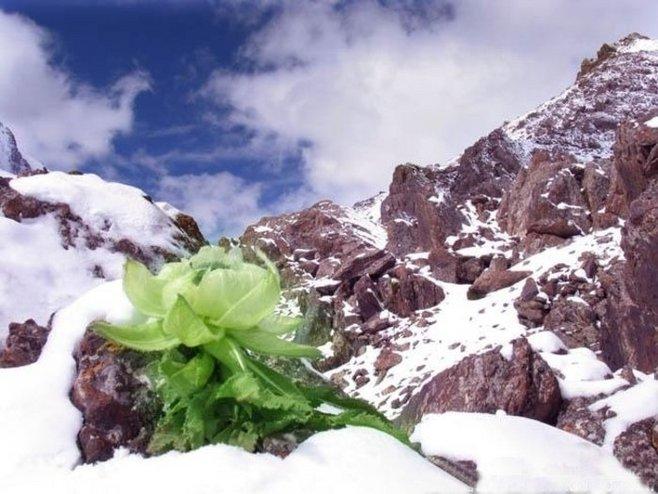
{"points": [[117, 408], [635, 164], [523, 385], [546, 199], [418, 212], [630, 326], [11, 158]]}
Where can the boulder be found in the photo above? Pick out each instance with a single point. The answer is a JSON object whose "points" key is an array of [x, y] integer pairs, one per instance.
{"points": [[404, 291], [635, 448], [117, 409], [418, 212], [361, 263], [524, 385], [492, 280], [546, 199], [24, 343]]}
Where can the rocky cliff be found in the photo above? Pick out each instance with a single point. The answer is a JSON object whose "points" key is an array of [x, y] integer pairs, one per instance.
{"points": [[519, 277]]}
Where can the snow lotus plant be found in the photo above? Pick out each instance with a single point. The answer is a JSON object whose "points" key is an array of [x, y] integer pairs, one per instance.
{"points": [[208, 315]]}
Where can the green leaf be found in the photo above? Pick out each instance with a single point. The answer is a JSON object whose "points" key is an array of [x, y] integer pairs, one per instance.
{"points": [[328, 394], [270, 344], [186, 377], [228, 353], [273, 379], [183, 323], [147, 337], [237, 298], [280, 325], [143, 289], [183, 284], [361, 419], [245, 387]]}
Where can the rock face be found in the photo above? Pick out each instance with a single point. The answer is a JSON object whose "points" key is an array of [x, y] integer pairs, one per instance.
{"points": [[533, 212], [546, 199], [416, 213], [523, 385], [11, 158], [494, 279], [115, 405], [630, 330]]}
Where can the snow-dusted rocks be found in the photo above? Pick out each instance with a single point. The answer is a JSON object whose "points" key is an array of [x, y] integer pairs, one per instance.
{"points": [[63, 233], [519, 237], [11, 159], [520, 384]]}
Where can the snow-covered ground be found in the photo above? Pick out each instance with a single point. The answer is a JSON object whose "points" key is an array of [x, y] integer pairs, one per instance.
{"points": [[38, 451], [515, 454]]}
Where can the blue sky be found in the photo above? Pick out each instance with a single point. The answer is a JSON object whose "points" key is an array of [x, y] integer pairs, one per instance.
{"points": [[235, 109]]}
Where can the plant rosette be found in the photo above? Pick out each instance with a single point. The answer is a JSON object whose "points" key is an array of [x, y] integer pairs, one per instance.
{"points": [[207, 315]]}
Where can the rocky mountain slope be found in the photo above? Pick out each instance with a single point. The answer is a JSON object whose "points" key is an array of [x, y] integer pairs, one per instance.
{"points": [[503, 306], [520, 277], [63, 234]]}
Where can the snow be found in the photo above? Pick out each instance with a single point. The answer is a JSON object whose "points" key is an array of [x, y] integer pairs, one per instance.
{"points": [[38, 276], [641, 45], [118, 211], [631, 405], [515, 454], [38, 451], [351, 460], [459, 327], [653, 123], [39, 423]]}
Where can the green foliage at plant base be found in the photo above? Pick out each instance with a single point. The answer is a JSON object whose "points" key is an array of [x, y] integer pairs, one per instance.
{"points": [[208, 315]]}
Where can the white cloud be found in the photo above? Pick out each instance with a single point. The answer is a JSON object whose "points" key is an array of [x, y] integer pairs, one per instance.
{"points": [[58, 120], [366, 91], [222, 203]]}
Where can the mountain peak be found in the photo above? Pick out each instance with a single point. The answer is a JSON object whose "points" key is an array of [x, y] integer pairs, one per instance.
{"points": [[11, 158]]}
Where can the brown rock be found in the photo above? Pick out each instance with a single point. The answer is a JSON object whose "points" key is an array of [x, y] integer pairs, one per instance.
{"points": [[635, 161], [24, 344], [414, 219], [630, 322], [634, 449], [360, 263], [575, 324], [404, 291], [367, 301], [108, 395], [387, 359], [545, 199], [492, 280], [488, 382]]}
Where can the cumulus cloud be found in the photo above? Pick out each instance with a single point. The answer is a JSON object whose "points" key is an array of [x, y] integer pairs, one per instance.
{"points": [[358, 87], [57, 119], [221, 203]]}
